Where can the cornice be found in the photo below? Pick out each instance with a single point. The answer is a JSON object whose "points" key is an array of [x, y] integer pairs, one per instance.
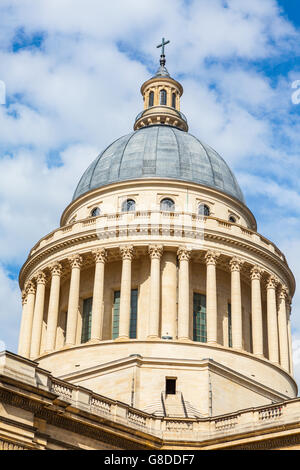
{"points": [[91, 235]]}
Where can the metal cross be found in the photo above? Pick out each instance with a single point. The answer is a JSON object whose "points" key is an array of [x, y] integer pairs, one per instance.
{"points": [[162, 45]]}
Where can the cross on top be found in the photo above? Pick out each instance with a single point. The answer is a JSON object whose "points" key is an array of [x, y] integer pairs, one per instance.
{"points": [[162, 45]]}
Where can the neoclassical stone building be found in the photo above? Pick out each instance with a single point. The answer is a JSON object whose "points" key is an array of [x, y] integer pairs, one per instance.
{"points": [[155, 316]]}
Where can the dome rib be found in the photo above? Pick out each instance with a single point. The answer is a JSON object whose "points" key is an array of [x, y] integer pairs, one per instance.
{"points": [[164, 152]]}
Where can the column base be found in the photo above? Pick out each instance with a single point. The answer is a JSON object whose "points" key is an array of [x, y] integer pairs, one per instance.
{"points": [[185, 340], [94, 341], [153, 337], [122, 338]]}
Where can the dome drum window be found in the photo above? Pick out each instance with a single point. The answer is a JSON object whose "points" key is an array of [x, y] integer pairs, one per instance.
{"points": [[232, 219], [203, 209], [95, 212], [151, 99], [163, 98], [174, 100], [128, 205], [167, 205]]}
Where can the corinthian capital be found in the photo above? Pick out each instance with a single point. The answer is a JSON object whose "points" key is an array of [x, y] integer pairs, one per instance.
{"points": [[24, 297], [184, 253], [100, 255], [75, 261], [127, 252], [272, 282], [236, 264], [56, 269], [211, 257], [283, 292], [41, 278], [255, 273], [155, 251], [30, 287]]}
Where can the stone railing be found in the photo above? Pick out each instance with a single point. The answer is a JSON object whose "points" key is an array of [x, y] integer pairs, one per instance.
{"points": [[146, 223], [77, 399]]}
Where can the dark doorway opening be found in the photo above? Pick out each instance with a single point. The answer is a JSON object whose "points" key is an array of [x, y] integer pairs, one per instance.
{"points": [[170, 386]]}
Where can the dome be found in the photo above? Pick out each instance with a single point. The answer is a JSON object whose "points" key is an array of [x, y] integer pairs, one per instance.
{"points": [[159, 152]]}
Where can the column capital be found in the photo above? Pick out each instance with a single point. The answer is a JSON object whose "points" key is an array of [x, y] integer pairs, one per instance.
{"points": [[236, 264], [184, 253], [24, 297], [256, 273], [127, 252], [272, 282], [40, 278], [155, 251], [56, 269], [75, 261], [100, 255], [283, 292], [30, 287], [211, 257]]}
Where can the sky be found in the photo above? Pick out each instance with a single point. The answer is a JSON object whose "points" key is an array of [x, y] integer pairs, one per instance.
{"points": [[72, 71]]}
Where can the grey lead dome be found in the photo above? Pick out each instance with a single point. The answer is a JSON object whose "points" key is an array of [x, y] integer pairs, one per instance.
{"points": [[159, 152]]}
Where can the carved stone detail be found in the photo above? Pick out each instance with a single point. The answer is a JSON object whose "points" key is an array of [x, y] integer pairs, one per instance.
{"points": [[100, 255], [156, 251], [30, 287], [127, 252], [184, 254], [56, 269], [283, 293], [236, 264], [272, 282], [75, 261], [256, 273], [41, 278], [211, 257]]}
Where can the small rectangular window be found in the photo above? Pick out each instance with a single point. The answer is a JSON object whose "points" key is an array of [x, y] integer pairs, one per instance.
{"points": [[116, 315], [199, 318], [86, 320], [170, 386]]}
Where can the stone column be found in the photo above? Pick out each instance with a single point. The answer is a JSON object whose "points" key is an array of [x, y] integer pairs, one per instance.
{"points": [[155, 252], [23, 321], [256, 312], [211, 296], [236, 303], [169, 294], [184, 256], [272, 320], [38, 315], [125, 294], [31, 291], [56, 272], [289, 312], [283, 328], [100, 257], [76, 263]]}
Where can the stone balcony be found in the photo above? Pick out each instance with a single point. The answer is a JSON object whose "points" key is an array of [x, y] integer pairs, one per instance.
{"points": [[24, 384]]}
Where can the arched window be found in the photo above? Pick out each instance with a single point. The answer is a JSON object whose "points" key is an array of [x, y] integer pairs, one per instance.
{"points": [[151, 99], [204, 210], [95, 212], [174, 100], [128, 205], [163, 97], [167, 205], [232, 219]]}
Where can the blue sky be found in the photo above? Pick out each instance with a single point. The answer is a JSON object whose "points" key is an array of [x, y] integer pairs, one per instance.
{"points": [[71, 67]]}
